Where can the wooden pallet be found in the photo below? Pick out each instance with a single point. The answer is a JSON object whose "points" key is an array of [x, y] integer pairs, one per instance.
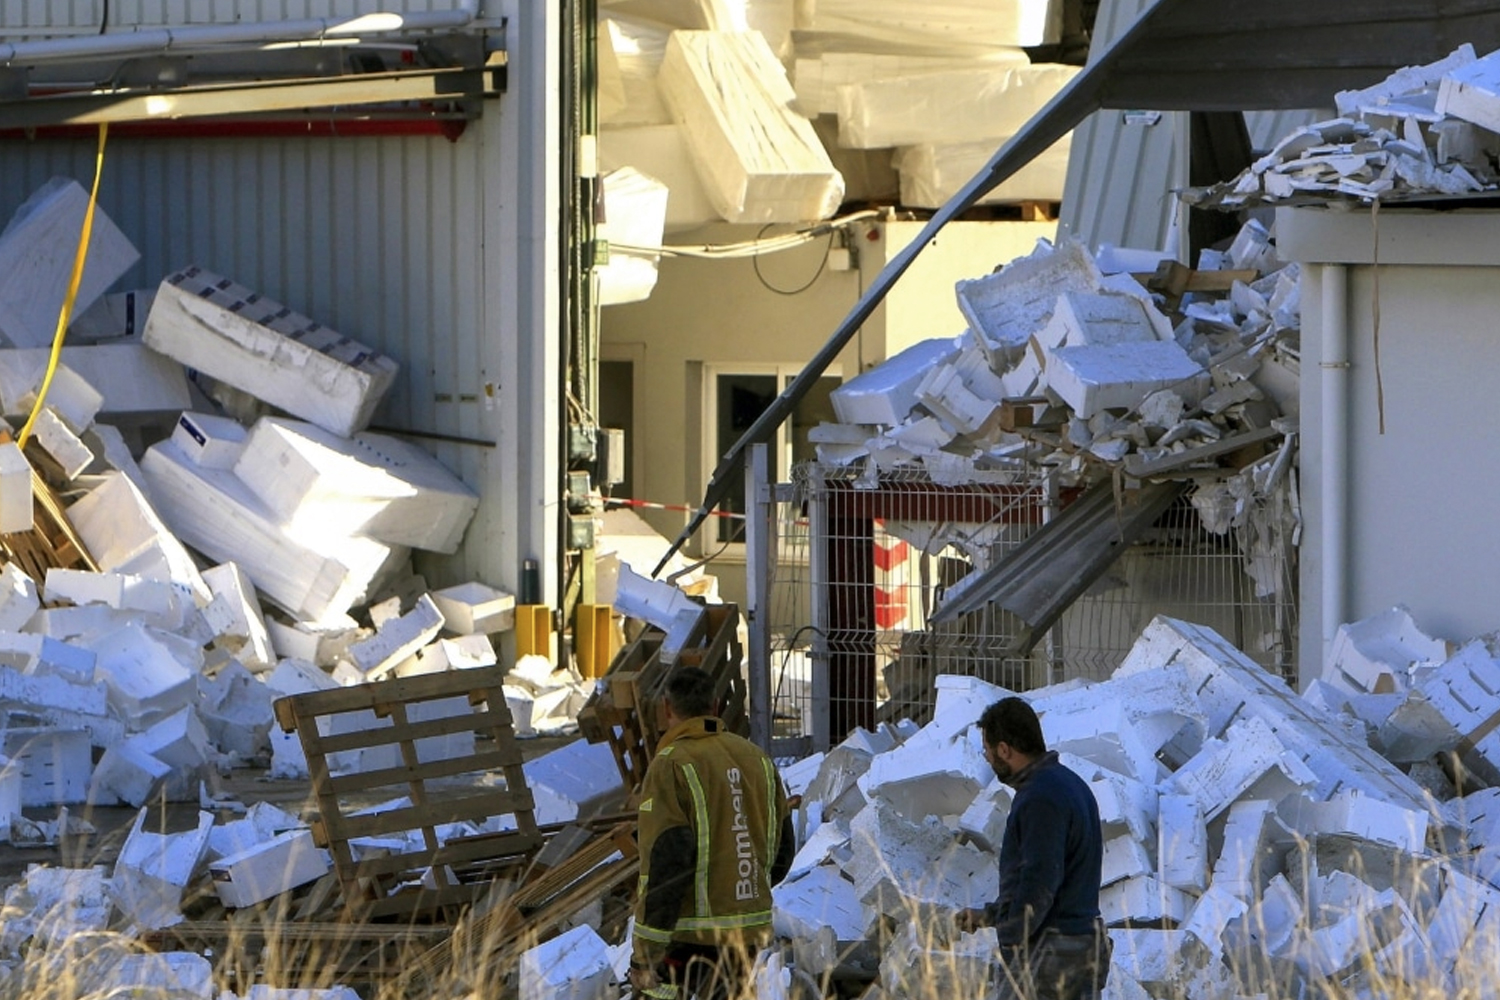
{"points": [[624, 710], [52, 541], [452, 874]]}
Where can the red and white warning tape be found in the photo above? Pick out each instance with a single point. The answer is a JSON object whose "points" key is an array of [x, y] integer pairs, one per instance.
{"points": [[649, 505]]}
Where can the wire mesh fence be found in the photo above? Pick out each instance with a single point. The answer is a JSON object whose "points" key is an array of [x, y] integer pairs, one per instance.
{"points": [[858, 570]]}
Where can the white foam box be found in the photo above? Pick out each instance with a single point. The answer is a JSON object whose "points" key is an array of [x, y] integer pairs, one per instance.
{"points": [[51, 665], [1005, 308], [630, 54], [885, 394], [1143, 900], [397, 639], [817, 79], [371, 484], [55, 764], [210, 440], [1182, 843], [475, 608], [71, 455], [1472, 93], [235, 611], [143, 385], [572, 966], [660, 151], [942, 107], [153, 869], [269, 869], [311, 575], [37, 250], [576, 781], [1092, 378], [18, 598], [635, 214], [15, 489], [147, 672], [124, 534], [759, 160], [236, 710], [127, 774], [182, 974], [261, 347], [958, 27], [21, 373], [462, 653]]}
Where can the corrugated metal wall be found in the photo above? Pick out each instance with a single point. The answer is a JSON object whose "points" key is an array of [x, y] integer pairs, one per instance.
{"points": [[378, 238], [19, 17]]}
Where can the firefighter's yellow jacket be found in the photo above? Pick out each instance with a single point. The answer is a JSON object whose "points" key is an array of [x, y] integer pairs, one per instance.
{"points": [[713, 816]]}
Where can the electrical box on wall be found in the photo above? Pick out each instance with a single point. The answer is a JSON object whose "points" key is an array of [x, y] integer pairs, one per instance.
{"points": [[581, 442], [580, 492], [610, 464], [580, 531]]}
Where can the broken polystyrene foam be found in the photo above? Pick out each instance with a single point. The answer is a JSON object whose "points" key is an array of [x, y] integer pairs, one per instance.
{"points": [[1352, 814], [1412, 729], [462, 653], [1254, 841], [18, 598], [984, 821], [475, 608], [264, 991], [124, 534], [572, 966], [142, 383], [635, 216], [1125, 857], [324, 642], [54, 764], [1086, 318], [521, 704], [311, 575], [1461, 691], [159, 604], [651, 600], [916, 870], [1144, 899], [10, 797], [58, 441], [397, 639], [1005, 308], [1381, 653], [127, 774], [237, 336], [153, 870], [915, 961], [969, 28], [759, 160], [261, 822], [932, 173], [147, 672], [55, 904], [1403, 82], [1471, 90], [885, 394], [268, 869], [1248, 762], [1092, 378], [630, 54], [71, 397], [236, 618], [116, 316], [927, 777], [15, 489], [37, 249], [1125, 804], [236, 711], [946, 106], [210, 440], [369, 484], [44, 658], [183, 974], [1182, 848], [181, 742], [576, 781]]}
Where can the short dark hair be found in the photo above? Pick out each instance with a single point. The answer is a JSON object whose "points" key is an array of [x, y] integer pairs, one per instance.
{"points": [[1012, 720], [690, 692]]}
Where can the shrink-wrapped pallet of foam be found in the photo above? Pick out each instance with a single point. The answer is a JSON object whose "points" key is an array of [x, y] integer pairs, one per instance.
{"points": [[930, 175], [818, 78], [659, 151], [635, 216], [953, 106], [934, 27], [759, 160], [630, 54]]}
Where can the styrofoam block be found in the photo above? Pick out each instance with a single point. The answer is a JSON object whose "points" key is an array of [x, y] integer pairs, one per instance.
{"points": [[397, 639], [1144, 900], [1471, 92], [237, 618], [54, 764], [210, 440], [572, 966], [261, 822], [370, 484], [630, 54], [1125, 805], [147, 672], [1358, 815], [311, 575], [70, 396], [954, 105], [1182, 844], [1461, 690], [321, 642], [430, 748], [153, 869], [913, 870], [182, 974], [1094, 378], [1249, 758], [1228, 684], [1253, 841], [944, 27], [635, 214], [1465, 918], [463, 653], [1413, 729], [37, 249], [43, 657], [759, 160], [660, 151], [1125, 857], [10, 796], [268, 869], [288, 760], [1005, 308], [475, 608], [180, 742], [1381, 653], [61, 902], [236, 712], [984, 820], [520, 703], [15, 489], [817, 80], [71, 455], [885, 394], [1085, 318], [142, 383], [915, 961], [18, 598], [215, 326], [157, 603], [77, 625], [930, 174], [651, 600], [574, 782], [928, 776], [1211, 915], [127, 774], [1334, 947], [123, 533]]}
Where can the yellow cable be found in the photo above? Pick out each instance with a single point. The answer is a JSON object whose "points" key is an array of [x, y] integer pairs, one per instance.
{"points": [[66, 314]]}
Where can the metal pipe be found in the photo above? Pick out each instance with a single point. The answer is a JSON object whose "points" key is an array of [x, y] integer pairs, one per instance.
{"points": [[1334, 468], [131, 43]]}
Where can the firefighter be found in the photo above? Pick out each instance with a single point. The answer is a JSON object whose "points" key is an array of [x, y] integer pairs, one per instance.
{"points": [[715, 835]]}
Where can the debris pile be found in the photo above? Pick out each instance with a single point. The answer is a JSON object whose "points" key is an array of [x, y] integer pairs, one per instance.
{"points": [[1425, 132]]}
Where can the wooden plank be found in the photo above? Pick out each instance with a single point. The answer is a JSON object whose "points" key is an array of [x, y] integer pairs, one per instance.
{"points": [[360, 781], [507, 849], [380, 695], [1141, 469], [477, 722], [465, 807]]}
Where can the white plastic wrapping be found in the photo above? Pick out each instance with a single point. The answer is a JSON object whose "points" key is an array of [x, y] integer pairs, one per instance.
{"points": [[630, 54], [956, 106], [818, 79], [930, 26], [758, 159], [635, 212], [930, 175], [659, 151]]}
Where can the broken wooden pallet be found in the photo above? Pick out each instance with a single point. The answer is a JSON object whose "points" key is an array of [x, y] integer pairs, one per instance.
{"points": [[377, 718], [52, 540], [624, 710]]}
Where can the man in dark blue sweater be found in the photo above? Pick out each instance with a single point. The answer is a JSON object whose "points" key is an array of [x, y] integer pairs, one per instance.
{"points": [[1053, 945]]}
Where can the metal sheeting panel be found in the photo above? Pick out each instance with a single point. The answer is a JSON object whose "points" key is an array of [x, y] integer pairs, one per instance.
{"points": [[72, 15], [379, 238], [1268, 127]]}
